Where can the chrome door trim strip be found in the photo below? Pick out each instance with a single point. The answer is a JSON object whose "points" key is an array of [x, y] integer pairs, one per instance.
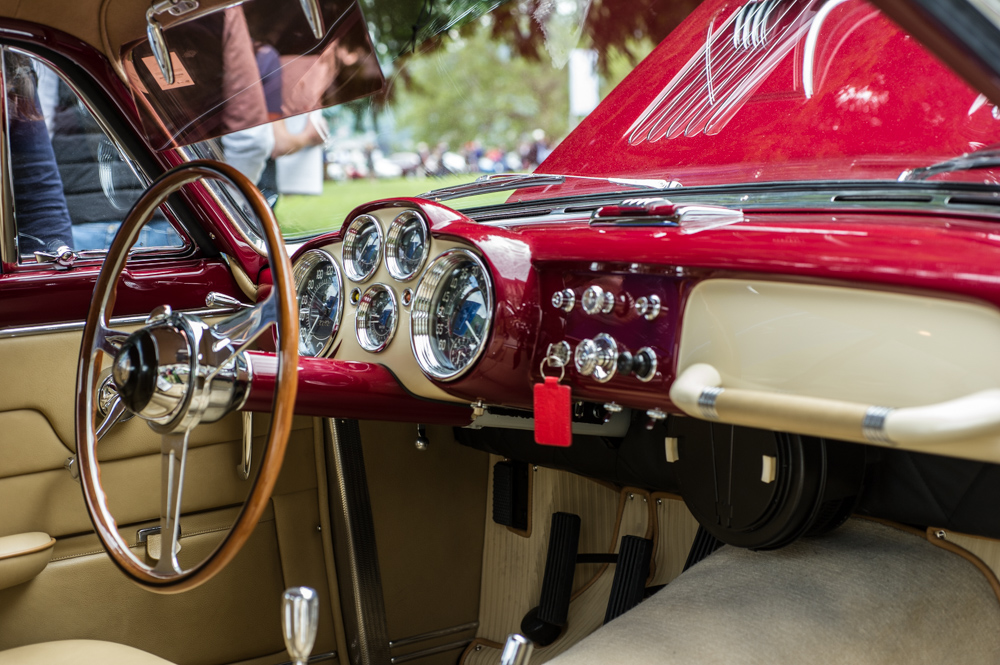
{"points": [[72, 326], [423, 637], [451, 646], [355, 553]]}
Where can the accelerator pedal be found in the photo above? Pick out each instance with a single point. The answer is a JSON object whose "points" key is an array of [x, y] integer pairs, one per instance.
{"points": [[543, 624], [631, 573]]}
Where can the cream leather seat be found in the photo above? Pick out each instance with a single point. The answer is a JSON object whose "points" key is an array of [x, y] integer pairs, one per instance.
{"points": [[79, 652]]}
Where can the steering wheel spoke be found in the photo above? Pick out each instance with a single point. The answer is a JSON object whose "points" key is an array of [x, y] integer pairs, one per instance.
{"points": [[173, 456], [109, 340], [235, 333]]}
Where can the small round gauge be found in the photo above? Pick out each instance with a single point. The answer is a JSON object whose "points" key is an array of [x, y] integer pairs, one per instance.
{"points": [[452, 314], [406, 245], [362, 248], [319, 292], [377, 318]]}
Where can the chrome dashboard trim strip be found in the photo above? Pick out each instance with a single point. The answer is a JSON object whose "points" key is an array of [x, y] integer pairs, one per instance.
{"points": [[71, 326]]}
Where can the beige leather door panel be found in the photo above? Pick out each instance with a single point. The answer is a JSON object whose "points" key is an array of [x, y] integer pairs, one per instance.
{"points": [[81, 594]]}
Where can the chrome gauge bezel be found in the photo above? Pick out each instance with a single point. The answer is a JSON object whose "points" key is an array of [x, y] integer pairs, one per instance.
{"points": [[351, 268], [426, 300], [362, 322], [303, 267], [392, 247]]}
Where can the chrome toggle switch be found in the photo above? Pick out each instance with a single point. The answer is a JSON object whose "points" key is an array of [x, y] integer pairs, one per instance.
{"points": [[596, 300], [648, 307], [564, 300], [597, 357]]}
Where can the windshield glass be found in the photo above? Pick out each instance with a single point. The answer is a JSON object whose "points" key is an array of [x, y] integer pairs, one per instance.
{"points": [[615, 91]]}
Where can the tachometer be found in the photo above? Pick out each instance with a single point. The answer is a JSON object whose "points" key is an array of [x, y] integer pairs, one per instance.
{"points": [[362, 248], [452, 314], [377, 318], [319, 292], [406, 245]]}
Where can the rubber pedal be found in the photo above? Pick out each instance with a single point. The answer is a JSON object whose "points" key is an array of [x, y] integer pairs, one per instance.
{"points": [[510, 494], [703, 545], [560, 566], [631, 573]]}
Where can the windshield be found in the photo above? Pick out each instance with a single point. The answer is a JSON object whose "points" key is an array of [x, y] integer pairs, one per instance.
{"points": [[614, 91]]}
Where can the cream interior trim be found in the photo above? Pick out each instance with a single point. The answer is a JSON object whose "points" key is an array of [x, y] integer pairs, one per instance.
{"points": [[397, 356], [811, 359]]}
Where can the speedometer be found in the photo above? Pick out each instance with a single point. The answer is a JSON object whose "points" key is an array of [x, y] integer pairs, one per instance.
{"points": [[319, 292], [362, 248], [452, 313], [406, 245]]}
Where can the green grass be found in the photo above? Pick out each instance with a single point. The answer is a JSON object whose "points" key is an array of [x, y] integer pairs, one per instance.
{"points": [[301, 216]]}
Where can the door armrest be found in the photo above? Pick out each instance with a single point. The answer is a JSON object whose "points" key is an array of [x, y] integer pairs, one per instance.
{"points": [[23, 556]]}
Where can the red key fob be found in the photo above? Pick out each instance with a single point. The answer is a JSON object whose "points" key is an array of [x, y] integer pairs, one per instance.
{"points": [[553, 425]]}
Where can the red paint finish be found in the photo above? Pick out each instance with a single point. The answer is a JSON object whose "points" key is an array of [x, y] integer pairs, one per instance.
{"points": [[346, 389], [882, 103], [50, 296]]}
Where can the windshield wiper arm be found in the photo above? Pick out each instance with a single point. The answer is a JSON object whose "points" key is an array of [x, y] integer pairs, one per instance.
{"points": [[982, 159], [493, 182], [500, 182]]}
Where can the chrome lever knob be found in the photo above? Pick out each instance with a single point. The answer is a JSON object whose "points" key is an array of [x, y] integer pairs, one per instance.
{"points": [[299, 621], [216, 299], [517, 650]]}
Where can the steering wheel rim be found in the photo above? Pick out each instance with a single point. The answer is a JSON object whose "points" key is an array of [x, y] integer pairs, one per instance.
{"points": [[96, 342]]}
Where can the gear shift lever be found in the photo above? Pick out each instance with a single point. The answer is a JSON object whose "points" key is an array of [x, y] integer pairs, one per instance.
{"points": [[299, 620]]}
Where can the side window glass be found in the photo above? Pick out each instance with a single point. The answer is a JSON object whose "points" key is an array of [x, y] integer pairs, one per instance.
{"points": [[71, 184]]}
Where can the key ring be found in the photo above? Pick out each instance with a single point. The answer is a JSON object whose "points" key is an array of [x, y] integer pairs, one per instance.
{"points": [[547, 361]]}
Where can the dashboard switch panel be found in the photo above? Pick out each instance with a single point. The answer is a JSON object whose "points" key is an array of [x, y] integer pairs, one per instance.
{"points": [[564, 300], [596, 300]]}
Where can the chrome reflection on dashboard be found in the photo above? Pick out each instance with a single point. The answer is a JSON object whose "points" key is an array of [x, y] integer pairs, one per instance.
{"points": [[406, 245], [452, 314], [362, 248], [377, 318], [319, 292]]}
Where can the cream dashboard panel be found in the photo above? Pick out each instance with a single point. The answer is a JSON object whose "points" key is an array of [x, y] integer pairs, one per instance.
{"points": [[846, 344], [397, 356]]}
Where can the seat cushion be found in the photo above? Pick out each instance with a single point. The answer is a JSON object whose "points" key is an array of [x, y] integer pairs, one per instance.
{"points": [[78, 652], [866, 593]]}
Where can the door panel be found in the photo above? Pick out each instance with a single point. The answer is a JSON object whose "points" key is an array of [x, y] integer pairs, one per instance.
{"points": [[81, 594]]}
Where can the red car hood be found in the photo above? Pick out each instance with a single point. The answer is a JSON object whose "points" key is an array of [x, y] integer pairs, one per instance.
{"points": [[880, 103]]}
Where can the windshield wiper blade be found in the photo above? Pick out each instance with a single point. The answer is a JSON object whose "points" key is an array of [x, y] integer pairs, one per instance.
{"points": [[499, 182], [493, 182], [982, 159]]}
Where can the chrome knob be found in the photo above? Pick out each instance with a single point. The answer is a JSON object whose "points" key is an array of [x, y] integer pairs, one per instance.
{"points": [[596, 300], [648, 307], [564, 300], [597, 357], [299, 621], [644, 364], [517, 650], [585, 357]]}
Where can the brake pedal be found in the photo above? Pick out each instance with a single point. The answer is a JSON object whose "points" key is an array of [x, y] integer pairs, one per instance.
{"points": [[631, 573], [543, 624]]}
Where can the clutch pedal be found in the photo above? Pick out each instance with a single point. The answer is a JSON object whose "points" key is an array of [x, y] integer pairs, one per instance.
{"points": [[543, 624]]}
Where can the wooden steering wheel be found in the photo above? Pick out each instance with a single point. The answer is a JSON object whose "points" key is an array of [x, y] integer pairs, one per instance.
{"points": [[178, 371]]}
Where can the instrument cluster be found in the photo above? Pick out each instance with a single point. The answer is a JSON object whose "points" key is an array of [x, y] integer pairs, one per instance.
{"points": [[384, 273]]}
